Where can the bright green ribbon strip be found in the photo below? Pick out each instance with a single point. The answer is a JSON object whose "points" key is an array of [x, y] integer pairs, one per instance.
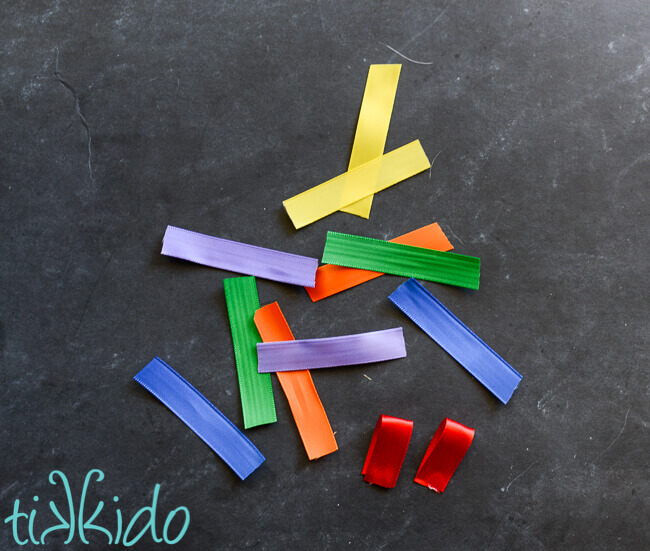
{"points": [[255, 388], [365, 253]]}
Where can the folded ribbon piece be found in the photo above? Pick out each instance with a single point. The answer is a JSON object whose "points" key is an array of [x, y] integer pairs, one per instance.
{"points": [[376, 346], [254, 388], [349, 187], [457, 339], [387, 451], [403, 260], [298, 387], [332, 279], [372, 126], [212, 426], [445, 452], [239, 257]]}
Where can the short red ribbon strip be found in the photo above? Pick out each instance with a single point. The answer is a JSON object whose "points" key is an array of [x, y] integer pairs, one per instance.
{"points": [[445, 452], [387, 451]]}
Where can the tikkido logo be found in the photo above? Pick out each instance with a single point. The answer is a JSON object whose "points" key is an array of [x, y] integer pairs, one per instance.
{"points": [[77, 522]]}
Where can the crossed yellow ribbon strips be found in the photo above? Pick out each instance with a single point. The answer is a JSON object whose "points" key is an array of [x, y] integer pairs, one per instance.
{"points": [[370, 170]]}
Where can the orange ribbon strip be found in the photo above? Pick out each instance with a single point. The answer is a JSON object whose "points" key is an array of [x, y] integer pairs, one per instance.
{"points": [[331, 279], [298, 387]]}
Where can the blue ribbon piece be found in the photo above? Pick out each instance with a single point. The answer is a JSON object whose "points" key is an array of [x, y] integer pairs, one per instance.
{"points": [[212, 426], [456, 339]]}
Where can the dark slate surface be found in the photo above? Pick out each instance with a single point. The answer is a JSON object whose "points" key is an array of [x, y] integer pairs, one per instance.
{"points": [[117, 118]]}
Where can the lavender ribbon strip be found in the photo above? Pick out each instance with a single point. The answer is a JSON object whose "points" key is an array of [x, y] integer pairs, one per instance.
{"points": [[376, 346], [240, 257]]}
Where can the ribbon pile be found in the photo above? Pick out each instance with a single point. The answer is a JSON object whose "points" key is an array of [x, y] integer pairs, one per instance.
{"points": [[263, 342], [389, 443]]}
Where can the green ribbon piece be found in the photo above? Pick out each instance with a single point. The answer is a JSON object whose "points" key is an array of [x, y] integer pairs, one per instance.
{"points": [[365, 253], [255, 388]]}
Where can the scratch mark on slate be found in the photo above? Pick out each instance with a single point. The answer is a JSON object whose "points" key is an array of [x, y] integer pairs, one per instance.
{"points": [[416, 36], [520, 475], [77, 109], [452, 233], [434, 160], [615, 439], [92, 292], [407, 58]]}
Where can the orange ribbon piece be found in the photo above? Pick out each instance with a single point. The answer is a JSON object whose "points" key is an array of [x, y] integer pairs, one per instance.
{"points": [[298, 387], [331, 279]]}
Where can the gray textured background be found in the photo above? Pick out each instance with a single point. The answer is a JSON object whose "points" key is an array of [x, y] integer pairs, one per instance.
{"points": [[117, 118]]}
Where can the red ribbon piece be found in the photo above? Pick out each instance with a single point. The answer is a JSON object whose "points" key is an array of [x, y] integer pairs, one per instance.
{"points": [[387, 451], [445, 452]]}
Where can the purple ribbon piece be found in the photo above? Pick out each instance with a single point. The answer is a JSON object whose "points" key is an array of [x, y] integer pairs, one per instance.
{"points": [[362, 348], [240, 257]]}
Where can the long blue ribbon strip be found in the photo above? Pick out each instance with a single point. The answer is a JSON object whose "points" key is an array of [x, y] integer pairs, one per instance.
{"points": [[239, 257], [362, 348], [457, 339], [212, 426]]}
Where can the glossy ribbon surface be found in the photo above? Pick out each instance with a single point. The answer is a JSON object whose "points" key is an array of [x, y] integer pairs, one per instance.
{"points": [[387, 451], [372, 126], [298, 386], [457, 339], [254, 388], [349, 187], [191, 407], [332, 279], [445, 452], [376, 346], [239, 257], [355, 251]]}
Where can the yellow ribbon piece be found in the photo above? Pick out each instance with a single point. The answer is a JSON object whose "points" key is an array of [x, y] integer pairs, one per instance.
{"points": [[372, 127], [372, 177]]}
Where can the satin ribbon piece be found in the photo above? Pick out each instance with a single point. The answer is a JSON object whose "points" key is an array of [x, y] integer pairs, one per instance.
{"points": [[239, 257], [349, 187], [372, 126], [298, 386], [332, 279], [254, 388], [365, 253], [362, 348], [191, 407], [456, 339], [445, 452], [387, 451]]}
